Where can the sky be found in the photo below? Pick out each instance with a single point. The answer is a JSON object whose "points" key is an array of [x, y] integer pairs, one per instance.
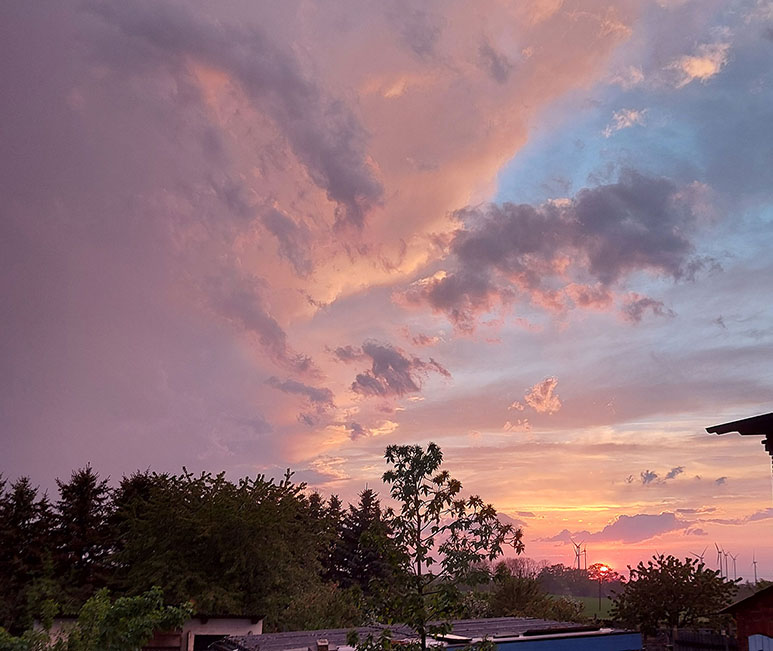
{"points": [[247, 236]]}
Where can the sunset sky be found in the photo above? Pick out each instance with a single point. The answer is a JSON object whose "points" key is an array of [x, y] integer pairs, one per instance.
{"points": [[256, 235]]}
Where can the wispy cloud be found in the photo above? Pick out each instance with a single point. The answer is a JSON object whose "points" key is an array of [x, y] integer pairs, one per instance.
{"points": [[625, 119], [704, 64]]}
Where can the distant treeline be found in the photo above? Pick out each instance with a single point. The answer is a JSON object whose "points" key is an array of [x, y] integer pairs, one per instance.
{"points": [[254, 547]]}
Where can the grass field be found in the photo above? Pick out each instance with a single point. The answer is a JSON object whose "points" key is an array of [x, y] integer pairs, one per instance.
{"points": [[591, 606]]}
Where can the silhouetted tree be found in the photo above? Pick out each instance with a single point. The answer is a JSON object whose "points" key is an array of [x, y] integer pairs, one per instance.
{"points": [[444, 536], [366, 556], [26, 571], [83, 536], [671, 593]]}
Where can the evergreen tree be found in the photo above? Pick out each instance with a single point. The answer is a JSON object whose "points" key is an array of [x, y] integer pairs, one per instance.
{"points": [[25, 562], [367, 557], [83, 535]]}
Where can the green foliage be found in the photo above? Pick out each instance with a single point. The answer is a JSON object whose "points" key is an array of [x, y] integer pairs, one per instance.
{"points": [[669, 592], [124, 625], [252, 547], [444, 536], [30, 640], [365, 555], [519, 593]]}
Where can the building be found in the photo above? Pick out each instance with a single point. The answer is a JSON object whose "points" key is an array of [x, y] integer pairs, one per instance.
{"points": [[195, 635], [509, 634], [754, 620]]}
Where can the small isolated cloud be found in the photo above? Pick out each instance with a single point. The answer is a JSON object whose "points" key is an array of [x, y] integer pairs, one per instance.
{"points": [[542, 398], [636, 306], [348, 353], [697, 531], [518, 425], [720, 480], [674, 472], [516, 406], [392, 372], [647, 477], [703, 65], [422, 339], [624, 119]]}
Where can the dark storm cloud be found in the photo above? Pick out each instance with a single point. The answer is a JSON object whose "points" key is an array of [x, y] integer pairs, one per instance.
{"points": [[605, 233], [322, 132], [392, 372]]}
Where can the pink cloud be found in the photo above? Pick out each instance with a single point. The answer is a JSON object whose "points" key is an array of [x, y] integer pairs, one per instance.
{"points": [[542, 398]]}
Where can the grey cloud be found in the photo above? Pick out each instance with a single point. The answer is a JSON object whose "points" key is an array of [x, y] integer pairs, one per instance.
{"points": [[495, 63], [503, 252], [307, 419], [627, 529], [293, 239], [703, 509], [418, 29], [647, 477], [720, 480], [238, 301], [348, 353], [320, 397], [765, 514], [678, 470], [636, 307], [323, 133], [392, 373]]}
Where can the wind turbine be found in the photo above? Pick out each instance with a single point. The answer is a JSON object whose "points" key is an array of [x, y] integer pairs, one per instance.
{"points": [[754, 562], [735, 574], [701, 555], [585, 556], [727, 571], [577, 553], [719, 559]]}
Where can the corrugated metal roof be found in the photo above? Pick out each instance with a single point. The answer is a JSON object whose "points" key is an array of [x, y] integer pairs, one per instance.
{"points": [[468, 628]]}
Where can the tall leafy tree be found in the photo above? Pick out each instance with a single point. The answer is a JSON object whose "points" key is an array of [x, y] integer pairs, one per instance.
{"points": [[445, 536], [670, 593]]}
